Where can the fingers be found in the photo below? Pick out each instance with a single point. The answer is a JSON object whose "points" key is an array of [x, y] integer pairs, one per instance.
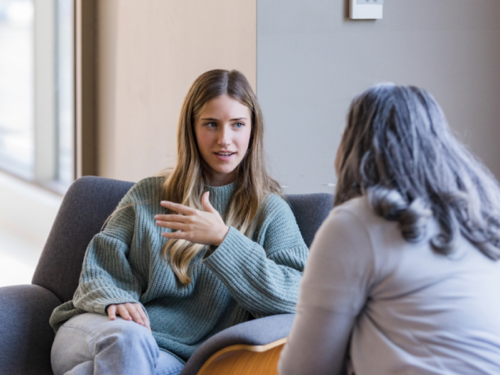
{"points": [[179, 235], [205, 202], [198, 226], [177, 218], [171, 225], [136, 315], [123, 312], [131, 312], [178, 207], [111, 310], [144, 319]]}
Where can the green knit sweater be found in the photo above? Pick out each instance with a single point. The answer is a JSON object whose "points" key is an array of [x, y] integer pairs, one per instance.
{"points": [[241, 279]]}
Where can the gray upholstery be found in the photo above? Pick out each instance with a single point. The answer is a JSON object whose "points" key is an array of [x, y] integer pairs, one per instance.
{"points": [[25, 335], [85, 208], [310, 211]]}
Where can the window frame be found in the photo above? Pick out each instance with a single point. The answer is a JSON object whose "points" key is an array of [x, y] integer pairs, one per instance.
{"points": [[45, 107]]}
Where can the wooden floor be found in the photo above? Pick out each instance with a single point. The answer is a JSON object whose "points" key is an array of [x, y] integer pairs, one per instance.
{"points": [[245, 360]]}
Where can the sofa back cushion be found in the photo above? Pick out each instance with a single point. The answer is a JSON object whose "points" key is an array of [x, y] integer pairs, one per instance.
{"points": [[310, 211], [85, 207]]}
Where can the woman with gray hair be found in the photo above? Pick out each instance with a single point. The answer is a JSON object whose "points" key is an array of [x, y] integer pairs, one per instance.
{"points": [[403, 276]]}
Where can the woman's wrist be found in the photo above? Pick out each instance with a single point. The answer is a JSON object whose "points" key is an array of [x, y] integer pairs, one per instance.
{"points": [[222, 235]]}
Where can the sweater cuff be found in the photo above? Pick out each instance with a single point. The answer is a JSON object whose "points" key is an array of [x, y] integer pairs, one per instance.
{"points": [[231, 254], [100, 306]]}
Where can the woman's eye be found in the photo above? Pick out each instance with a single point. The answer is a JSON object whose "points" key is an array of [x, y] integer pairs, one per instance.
{"points": [[239, 125], [211, 124]]}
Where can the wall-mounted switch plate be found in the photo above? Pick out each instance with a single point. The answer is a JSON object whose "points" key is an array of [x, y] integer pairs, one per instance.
{"points": [[366, 9]]}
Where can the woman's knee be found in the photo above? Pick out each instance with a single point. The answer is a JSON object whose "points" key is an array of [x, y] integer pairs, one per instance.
{"points": [[129, 330], [95, 326], [126, 336], [93, 337], [90, 333]]}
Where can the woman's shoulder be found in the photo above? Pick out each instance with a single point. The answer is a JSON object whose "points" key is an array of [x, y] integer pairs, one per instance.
{"points": [[149, 187], [275, 209], [347, 230], [357, 215], [274, 203], [360, 208]]}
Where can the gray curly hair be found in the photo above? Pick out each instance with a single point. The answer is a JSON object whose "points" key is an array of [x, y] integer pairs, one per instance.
{"points": [[397, 150]]}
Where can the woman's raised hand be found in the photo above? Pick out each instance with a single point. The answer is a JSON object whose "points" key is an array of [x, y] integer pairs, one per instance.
{"points": [[203, 227], [129, 311]]}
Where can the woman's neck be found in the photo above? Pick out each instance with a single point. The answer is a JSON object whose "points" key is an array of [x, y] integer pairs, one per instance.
{"points": [[220, 179]]}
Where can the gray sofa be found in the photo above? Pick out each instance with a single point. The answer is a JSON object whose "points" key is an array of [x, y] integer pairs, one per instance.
{"points": [[25, 335]]}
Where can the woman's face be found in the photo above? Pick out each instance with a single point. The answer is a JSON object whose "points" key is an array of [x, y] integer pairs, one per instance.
{"points": [[222, 132]]}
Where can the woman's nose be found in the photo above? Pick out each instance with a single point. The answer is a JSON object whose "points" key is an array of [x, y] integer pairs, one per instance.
{"points": [[224, 137]]}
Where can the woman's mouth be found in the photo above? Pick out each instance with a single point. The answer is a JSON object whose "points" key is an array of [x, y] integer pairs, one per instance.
{"points": [[224, 156]]}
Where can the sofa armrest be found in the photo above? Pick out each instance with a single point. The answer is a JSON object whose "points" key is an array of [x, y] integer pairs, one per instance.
{"points": [[25, 334], [254, 332]]}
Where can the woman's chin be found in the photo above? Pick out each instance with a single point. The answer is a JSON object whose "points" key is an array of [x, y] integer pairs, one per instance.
{"points": [[225, 174], [225, 171]]}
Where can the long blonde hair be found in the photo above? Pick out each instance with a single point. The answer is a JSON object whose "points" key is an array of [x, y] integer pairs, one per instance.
{"points": [[187, 182]]}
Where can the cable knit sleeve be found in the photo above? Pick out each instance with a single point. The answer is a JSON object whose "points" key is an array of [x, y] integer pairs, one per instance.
{"points": [[107, 277], [263, 276]]}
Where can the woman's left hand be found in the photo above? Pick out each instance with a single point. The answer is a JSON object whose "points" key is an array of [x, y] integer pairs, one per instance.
{"points": [[203, 227]]}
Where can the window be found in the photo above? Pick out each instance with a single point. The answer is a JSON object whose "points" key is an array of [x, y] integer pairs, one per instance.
{"points": [[36, 91], [65, 92]]}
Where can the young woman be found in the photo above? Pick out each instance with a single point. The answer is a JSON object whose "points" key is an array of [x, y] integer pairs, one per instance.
{"points": [[186, 256], [403, 275]]}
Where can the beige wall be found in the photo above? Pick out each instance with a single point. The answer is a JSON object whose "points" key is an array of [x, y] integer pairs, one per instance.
{"points": [[149, 53]]}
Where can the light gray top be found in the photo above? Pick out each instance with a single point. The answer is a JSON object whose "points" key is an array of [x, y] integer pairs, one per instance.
{"points": [[405, 308]]}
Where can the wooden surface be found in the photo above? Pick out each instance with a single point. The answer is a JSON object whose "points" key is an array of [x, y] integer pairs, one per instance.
{"points": [[245, 360]]}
